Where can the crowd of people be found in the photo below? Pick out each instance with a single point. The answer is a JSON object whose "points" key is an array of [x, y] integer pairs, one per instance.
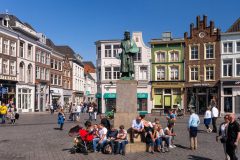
{"points": [[8, 112]]}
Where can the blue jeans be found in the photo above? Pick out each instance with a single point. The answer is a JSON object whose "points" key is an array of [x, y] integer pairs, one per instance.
{"points": [[158, 142], [98, 145], [3, 116], [121, 146]]}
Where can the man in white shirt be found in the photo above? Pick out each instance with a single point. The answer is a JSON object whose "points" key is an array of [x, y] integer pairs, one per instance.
{"points": [[215, 114], [137, 127], [99, 142], [78, 111]]}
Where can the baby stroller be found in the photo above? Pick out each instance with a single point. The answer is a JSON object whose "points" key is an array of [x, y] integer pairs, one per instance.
{"points": [[82, 142]]}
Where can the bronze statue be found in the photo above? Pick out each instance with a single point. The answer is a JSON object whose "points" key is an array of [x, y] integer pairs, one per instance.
{"points": [[129, 49]]}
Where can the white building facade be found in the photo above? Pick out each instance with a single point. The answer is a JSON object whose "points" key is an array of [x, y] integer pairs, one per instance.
{"points": [[230, 72], [108, 72]]}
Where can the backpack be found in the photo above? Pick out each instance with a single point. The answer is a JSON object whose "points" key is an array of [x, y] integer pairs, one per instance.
{"points": [[107, 149]]}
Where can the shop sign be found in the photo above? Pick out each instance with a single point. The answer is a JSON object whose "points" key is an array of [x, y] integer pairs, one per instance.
{"points": [[87, 93], [8, 77], [142, 95], [98, 95], [201, 85], [231, 83], [109, 95]]}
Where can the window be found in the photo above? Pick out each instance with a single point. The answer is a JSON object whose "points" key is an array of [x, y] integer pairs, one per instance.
{"points": [[116, 72], [47, 59], [42, 73], [38, 56], [194, 52], [59, 80], [43, 58], [209, 51], [143, 73], [158, 91], [12, 68], [0, 44], [5, 67], [52, 81], [99, 52], [52, 63], [108, 73], [21, 72], [65, 84], [227, 67], [29, 73], [37, 73], [13, 49], [160, 73], [69, 85], [21, 52], [174, 73], [108, 52], [6, 47], [209, 73], [55, 79], [238, 46], [161, 57], [138, 56], [237, 67], [59, 66], [174, 56], [194, 74], [56, 65], [47, 74], [0, 65], [227, 47], [228, 106], [24, 98], [30, 48], [137, 39], [227, 91], [115, 50]]}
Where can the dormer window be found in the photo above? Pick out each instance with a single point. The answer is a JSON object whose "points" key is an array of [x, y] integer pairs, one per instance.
{"points": [[5, 22]]}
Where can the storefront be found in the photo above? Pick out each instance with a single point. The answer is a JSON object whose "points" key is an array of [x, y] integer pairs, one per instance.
{"points": [[25, 98], [199, 96], [67, 98], [77, 97], [7, 91], [230, 97], [167, 95], [110, 101], [41, 97], [142, 103]]}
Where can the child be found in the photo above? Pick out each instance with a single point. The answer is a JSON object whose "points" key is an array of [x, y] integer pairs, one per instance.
{"points": [[12, 115], [61, 119]]}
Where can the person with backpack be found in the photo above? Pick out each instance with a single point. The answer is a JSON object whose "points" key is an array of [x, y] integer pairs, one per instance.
{"points": [[61, 119]]}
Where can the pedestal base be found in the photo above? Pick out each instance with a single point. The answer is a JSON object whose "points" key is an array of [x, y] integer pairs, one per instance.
{"points": [[124, 119]]}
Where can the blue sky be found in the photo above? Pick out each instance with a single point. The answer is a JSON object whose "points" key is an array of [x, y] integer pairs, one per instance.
{"points": [[79, 23]]}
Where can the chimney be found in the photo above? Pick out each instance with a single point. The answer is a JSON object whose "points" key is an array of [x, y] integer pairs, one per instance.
{"points": [[198, 22], [211, 27], [185, 35], [204, 21], [191, 29]]}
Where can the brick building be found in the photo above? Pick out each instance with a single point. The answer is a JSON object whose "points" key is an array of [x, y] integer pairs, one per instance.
{"points": [[202, 65]]}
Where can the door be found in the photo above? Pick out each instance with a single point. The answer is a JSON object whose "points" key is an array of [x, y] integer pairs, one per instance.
{"points": [[202, 104], [237, 105], [167, 102]]}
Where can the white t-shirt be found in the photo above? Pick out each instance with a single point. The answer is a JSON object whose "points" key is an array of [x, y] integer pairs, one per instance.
{"points": [[78, 109], [102, 132], [214, 112], [208, 114]]}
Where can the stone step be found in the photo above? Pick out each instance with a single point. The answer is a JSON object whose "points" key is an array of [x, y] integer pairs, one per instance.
{"points": [[135, 147]]}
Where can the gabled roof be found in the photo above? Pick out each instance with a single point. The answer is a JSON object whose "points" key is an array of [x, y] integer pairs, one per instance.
{"points": [[235, 27], [89, 63]]}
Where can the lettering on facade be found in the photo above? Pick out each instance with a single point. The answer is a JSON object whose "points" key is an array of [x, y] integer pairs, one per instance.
{"points": [[8, 77], [201, 85]]}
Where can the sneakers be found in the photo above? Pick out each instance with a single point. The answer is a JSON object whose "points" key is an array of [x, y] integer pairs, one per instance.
{"points": [[163, 150], [171, 146]]}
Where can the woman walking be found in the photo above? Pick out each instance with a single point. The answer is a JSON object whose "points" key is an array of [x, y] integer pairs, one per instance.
{"points": [[207, 119], [61, 119], [223, 134], [193, 124]]}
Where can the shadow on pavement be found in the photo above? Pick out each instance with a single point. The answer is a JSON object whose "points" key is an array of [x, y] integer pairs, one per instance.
{"points": [[183, 147], [198, 157]]}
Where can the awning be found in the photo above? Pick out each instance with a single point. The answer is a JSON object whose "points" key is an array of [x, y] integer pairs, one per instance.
{"points": [[109, 95], [98, 95], [142, 95]]}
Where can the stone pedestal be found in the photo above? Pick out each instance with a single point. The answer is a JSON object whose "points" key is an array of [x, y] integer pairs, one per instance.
{"points": [[126, 104]]}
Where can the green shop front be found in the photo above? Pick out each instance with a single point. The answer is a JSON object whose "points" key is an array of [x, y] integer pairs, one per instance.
{"points": [[99, 102], [110, 101], [142, 103]]}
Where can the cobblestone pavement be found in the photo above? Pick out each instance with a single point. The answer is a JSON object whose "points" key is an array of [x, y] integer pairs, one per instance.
{"points": [[34, 138]]}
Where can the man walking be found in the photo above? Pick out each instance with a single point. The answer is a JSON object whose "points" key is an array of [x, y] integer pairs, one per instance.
{"points": [[214, 118], [193, 123], [233, 137]]}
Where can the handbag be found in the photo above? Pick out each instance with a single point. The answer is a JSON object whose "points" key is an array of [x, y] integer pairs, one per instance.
{"points": [[223, 139]]}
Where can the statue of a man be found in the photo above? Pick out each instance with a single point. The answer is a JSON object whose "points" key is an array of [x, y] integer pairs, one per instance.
{"points": [[129, 49]]}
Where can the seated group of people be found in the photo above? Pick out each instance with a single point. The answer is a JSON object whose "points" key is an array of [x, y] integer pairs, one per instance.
{"points": [[153, 134], [102, 137]]}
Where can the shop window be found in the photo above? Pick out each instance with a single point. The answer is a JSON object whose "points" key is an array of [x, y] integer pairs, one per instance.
{"points": [[110, 104], [227, 91], [142, 104], [227, 104], [167, 91], [158, 91]]}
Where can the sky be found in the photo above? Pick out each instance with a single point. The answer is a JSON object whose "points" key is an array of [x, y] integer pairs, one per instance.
{"points": [[80, 23]]}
